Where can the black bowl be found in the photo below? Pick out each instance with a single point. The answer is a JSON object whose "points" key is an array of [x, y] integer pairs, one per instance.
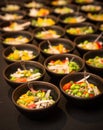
{"points": [[40, 112], [72, 18], [85, 2], [74, 31], [49, 20], [61, 10], [12, 16], [95, 17], [34, 52], [83, 101], [12, 26], [63, 57], [12, 68], [39, 12], [28, 37], [91, 8], [89, 38], [33, 4], [57, 31], [11, 6], [68, 45], [56, 3], [92, 55], [100, 27]]}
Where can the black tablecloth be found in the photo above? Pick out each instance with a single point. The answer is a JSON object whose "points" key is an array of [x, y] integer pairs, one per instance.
{"points": [[65, 117]]}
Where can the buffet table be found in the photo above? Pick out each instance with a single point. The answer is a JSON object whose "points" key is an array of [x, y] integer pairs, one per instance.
{"points": [[65, 117]]}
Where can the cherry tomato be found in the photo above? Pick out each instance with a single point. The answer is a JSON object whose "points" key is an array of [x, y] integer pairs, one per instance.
{"points": [[21, 80], [31, 106], [66, 86], [91, 95], [102, 60], [99, 45], [52, 61]]}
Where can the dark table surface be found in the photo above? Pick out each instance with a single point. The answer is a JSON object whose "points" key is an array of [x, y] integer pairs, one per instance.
{"points": [[66, 116]]}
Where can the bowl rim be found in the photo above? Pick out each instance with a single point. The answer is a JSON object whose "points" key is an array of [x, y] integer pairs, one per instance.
{"points": [[83, 24], [58, 5], [92, 52], [20, 12], [19, 33], [49, 27], [95, 20], [52, 17], [85, 37], [71, 6], [64, 55], [28, 62], [79, 98], [99, 24], [17, 46], [37, 82], [63, 16], [91, 4], [83, 2], [28, 2], [43, 7], [62, 39], [11, 21]]}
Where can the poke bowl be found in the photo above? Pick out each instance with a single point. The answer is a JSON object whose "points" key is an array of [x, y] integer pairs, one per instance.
{"points": [[94, 61], [80, 29], [33, 4], [21, 53], [63, 64], [10, 6], [100, 26], [83, 2], [21, 72], [91, 8], [88, 43], [12, 16], [43, 96], [16, 38], [39, 12], [72, 18], [14, 26], [57, 46], [56, 3], [61, 10], [95, 17], [49, 20], [47, 33], [83, 89]]}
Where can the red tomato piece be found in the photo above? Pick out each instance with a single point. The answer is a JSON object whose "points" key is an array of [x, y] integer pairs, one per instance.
{"points": [[52, 61], [91, 95], [85, 92], [64, 61], [49, 35], [99, 45], [31, 106], [102, 60], [67, 86], [21, 80]]}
